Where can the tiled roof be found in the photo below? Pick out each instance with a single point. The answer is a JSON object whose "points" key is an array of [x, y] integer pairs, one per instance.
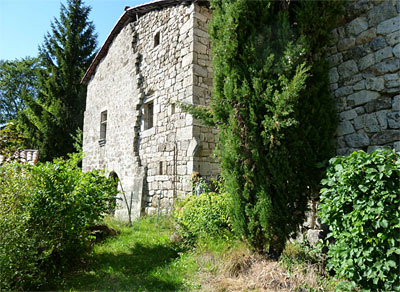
{"points": [[23, 156]]}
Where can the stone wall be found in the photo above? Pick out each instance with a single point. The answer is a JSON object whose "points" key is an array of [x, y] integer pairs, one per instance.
{"points": [[155, 62], [203, 161], [163, 147], [364, 75], [365, 81], [113, 88]]}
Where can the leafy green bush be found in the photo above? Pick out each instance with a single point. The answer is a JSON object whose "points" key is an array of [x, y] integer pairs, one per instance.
{"points": [[203, 215], [361, 205], [44, 214]]}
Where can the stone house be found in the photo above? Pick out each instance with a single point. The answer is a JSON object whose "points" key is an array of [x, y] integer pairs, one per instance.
{"points": [[158, 54]]}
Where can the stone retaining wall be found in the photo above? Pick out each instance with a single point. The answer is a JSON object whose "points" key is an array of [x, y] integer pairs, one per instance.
{"points": [[364, 75]]}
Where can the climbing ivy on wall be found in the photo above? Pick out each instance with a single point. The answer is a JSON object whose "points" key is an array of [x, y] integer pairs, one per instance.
{"points": [[272, 106]]}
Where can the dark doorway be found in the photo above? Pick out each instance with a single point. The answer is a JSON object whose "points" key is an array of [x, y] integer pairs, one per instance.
{"points": [[113, 175]]}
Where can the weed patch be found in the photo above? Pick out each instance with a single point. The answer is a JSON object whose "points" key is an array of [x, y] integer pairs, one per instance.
{"points": [[235, 268]]}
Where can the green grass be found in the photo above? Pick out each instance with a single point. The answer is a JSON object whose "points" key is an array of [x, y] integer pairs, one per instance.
{"points": [[140, 258]]}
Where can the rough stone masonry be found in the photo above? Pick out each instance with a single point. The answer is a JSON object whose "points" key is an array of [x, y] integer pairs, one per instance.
{"points": [[133, 127], [364, 75], [158, 54]]}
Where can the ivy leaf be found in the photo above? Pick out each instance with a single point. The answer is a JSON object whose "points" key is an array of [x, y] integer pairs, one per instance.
{"points": [[391, 264], [364, 195], [338, 168], [384, 223]]}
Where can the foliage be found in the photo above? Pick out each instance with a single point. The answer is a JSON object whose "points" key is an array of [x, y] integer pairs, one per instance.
{"points": [[44, 214], [202, 216], [56, 114], [78, 141], [11, 140], [203, 113], [272, 107], [361, 205], [18, 81]]}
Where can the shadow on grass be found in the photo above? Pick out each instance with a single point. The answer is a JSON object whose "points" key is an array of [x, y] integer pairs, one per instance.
{"points": [[142, 268]]}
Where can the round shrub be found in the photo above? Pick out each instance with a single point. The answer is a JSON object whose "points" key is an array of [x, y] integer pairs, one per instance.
{"points": [[45, 212], [360, 202], [203, 215]]}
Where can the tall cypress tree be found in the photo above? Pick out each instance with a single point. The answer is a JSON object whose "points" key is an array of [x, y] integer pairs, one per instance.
{"points": [[54, 116], [272, 106]]}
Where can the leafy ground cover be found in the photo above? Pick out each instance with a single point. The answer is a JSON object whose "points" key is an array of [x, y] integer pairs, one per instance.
{"points": [[143, 258]]}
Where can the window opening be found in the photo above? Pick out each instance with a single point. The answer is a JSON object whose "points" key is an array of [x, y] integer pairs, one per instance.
{"points": [[149, 116], [156, 39], [172, 108], [103, 127], [161, 168]]}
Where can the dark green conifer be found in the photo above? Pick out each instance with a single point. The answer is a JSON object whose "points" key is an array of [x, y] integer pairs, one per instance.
{"points": [[53, 118], [272, 106]]}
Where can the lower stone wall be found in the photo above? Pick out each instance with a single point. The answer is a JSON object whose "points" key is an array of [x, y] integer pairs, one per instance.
{"points": [[364, 76]]}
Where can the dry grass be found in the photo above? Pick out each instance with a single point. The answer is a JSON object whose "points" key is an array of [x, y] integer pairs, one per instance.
{"points": [[239, 270]]}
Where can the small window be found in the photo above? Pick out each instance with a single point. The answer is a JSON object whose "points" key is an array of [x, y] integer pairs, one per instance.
{"points": [[103, 128], [172, 108], [156, 39], [149, 115], [161, 168]]}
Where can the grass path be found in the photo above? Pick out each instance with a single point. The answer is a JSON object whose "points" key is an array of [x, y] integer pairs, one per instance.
{"points": [[140, 258]]}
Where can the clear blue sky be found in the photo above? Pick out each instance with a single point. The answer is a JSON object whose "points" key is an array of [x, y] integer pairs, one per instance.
{"points": [[23, 23]]}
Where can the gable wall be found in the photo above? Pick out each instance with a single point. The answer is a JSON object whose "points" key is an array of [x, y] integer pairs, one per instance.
{"points": [[113, 88]]}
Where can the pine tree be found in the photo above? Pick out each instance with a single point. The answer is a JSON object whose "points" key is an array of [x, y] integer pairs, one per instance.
{"points": [[53, 118], [272, 107]]}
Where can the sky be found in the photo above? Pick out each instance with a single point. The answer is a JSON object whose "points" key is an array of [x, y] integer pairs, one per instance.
{"points": [[23, 23]]}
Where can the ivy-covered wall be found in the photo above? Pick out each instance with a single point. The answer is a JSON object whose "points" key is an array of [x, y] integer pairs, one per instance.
{"points": [[364, 76]]}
